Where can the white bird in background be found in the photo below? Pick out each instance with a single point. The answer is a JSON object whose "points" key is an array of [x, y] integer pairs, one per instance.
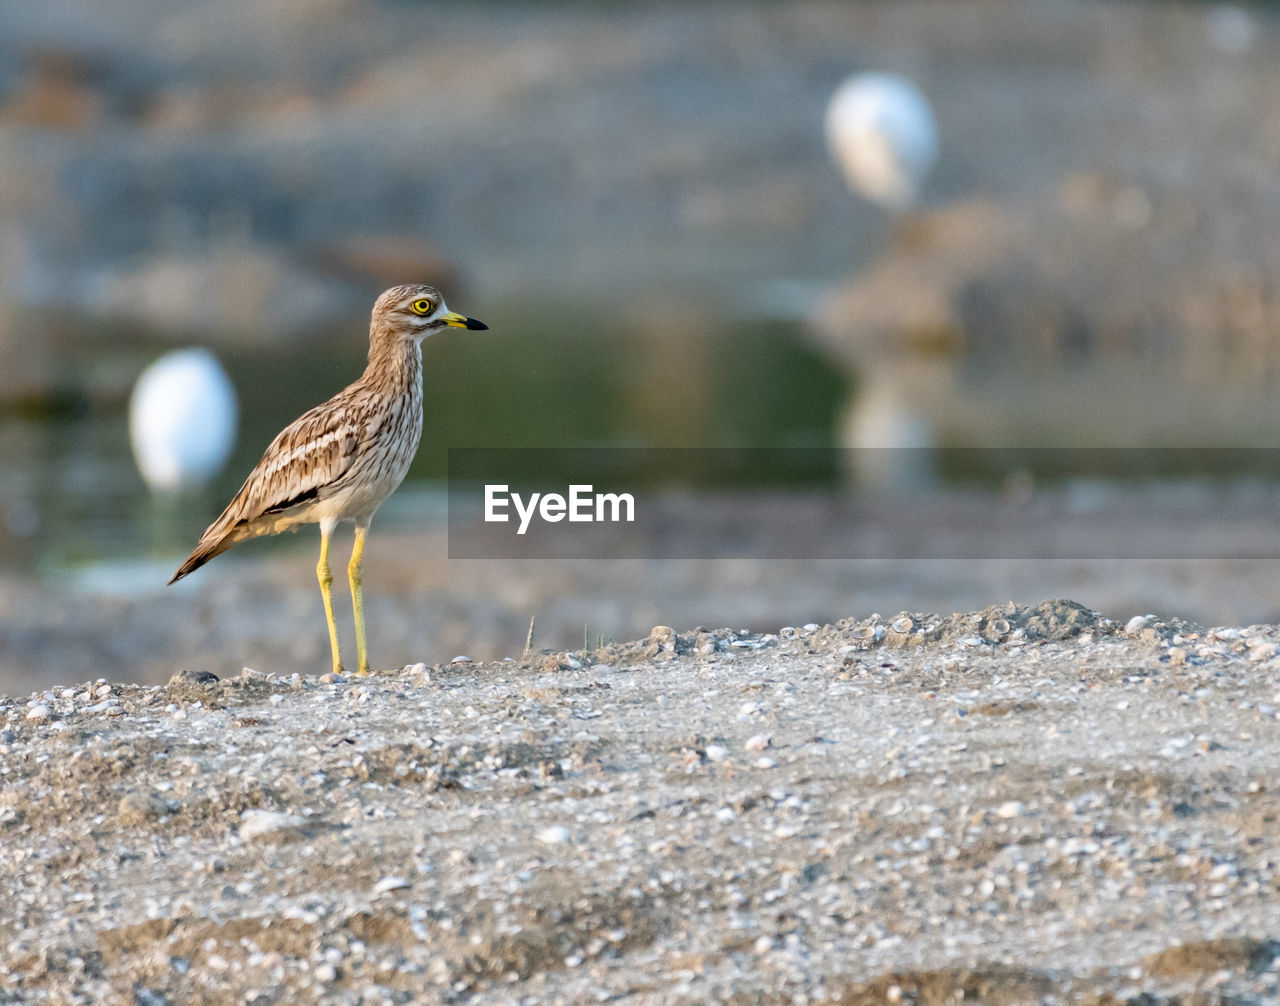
{"points": [[882, 134], [182, 420]]}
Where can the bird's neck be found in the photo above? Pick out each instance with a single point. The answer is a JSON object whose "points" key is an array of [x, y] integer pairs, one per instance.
{"points": [[394, 360]]}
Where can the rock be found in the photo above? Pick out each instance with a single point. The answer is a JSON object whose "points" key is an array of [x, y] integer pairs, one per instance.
{"points": [[663, 636], [138, 808], [556, 834], [257, 823], [186, 676]]}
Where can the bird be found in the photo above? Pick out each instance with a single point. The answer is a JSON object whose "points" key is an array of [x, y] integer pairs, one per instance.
{"points": [[182, 421], [882, 134], [342, 459]]}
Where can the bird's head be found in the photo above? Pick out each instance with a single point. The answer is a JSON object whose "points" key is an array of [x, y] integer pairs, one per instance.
{"points": [[418, 310]]}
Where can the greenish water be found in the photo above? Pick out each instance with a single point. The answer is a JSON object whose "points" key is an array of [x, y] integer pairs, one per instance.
{"points": [[539, 378]]}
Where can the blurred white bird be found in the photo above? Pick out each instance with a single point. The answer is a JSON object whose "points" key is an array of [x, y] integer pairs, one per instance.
{"points": [[882, 134], [182, 420]]}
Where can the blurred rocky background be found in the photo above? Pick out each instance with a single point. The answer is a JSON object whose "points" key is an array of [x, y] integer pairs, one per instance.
{"points": [[638, 199], [250, 173]]}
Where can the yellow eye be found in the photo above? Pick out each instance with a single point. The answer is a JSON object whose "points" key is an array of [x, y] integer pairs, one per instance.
{"points": [[422, 306]]}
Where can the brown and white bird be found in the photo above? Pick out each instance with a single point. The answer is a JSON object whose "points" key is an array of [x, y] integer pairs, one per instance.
{"points": [[340, 460]]}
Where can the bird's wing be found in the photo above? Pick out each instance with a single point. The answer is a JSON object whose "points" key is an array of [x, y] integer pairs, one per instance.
{"points": [[306, 459]]}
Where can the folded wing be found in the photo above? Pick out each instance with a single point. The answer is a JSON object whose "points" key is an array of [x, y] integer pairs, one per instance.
{"points": [[303, 465]]}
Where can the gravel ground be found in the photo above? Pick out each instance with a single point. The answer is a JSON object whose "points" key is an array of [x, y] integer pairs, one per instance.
{"points": [[1022, 804]]}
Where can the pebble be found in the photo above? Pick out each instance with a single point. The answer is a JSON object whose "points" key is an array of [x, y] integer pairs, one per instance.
{"points": [[758, 743], [136, 808], [1010, 809], [717, 752], [326, 973], [555, 834], [256, 823]]}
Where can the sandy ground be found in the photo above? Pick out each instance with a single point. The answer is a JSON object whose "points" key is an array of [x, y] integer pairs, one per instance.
{"points": [[1022, 804]]}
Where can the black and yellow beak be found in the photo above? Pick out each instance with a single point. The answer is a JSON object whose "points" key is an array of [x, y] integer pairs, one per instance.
{"points": [[455, 320]]}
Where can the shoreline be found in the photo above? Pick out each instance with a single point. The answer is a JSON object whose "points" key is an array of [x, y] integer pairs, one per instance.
{"points": [[259, 606]]}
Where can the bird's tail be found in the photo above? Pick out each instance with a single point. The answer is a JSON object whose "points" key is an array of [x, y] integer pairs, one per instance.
{"points": [[208, 547]]}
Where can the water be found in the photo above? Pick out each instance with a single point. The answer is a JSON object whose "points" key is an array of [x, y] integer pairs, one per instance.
{"points": [[70, 496]]}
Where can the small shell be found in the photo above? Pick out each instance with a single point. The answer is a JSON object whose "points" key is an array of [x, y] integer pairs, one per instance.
{"points": [[391, 883], [900, 632], [865, 636], [1137, 623]]}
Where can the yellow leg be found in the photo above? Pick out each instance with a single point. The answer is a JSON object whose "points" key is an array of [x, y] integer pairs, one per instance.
{"points": [[355, 573], [326, 582]]}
